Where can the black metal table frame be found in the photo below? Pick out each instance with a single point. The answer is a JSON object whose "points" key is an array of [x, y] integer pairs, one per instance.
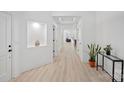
{"points": [[113, 65]]}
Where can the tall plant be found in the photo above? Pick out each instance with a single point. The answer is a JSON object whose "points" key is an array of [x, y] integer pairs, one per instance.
{"points": [[93, 50]]}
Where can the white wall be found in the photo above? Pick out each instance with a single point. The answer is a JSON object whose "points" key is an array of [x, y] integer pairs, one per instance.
{"points": [[27, 58], [110, 30], [87, 26]]}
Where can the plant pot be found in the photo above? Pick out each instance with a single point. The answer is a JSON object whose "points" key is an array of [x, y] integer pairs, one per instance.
{"points": [[108, 52], [92, 63]]}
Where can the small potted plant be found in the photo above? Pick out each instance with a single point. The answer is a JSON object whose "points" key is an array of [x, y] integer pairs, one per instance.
{"points": [[108, 49], [93, 51]]}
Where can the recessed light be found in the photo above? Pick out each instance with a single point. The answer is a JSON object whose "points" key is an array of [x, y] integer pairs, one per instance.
{"points": [[36, 25]]}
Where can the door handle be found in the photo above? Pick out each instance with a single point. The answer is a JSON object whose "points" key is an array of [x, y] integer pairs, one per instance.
{"points": [[10, 50], [9, 45]]}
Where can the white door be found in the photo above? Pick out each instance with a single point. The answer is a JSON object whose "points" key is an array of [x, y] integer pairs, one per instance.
{"points": [[5, 47]]}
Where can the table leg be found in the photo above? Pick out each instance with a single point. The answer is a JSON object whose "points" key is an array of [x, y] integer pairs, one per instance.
{"points": [[113, 68], [97, 63], [102, 62], [122, 71]]}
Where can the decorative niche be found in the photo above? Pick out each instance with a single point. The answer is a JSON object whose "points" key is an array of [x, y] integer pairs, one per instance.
{"points": [[36, 34]]}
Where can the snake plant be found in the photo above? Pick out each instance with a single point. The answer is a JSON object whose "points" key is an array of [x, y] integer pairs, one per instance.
{"points": [[93, 50]]}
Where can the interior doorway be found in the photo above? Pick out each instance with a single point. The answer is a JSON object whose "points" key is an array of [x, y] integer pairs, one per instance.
{"points": [[68, 37], [5, 47]]}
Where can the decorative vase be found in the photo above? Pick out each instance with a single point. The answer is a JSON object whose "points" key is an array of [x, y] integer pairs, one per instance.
{"points": [[37, 43]]}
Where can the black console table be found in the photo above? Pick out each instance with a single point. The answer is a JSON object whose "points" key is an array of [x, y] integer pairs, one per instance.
{"points": [[113, 59]]}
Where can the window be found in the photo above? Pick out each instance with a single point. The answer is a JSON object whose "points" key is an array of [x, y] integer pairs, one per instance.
{"points": [[36, 34]]}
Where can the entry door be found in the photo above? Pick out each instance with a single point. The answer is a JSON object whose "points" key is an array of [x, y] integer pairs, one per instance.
{"points": [[5, 47]]}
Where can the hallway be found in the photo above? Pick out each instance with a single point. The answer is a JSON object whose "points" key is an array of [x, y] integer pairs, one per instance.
{"points": [[66, 67]]}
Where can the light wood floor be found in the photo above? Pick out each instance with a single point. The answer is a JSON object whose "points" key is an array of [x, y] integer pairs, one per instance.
{"points": [[66, 67]]}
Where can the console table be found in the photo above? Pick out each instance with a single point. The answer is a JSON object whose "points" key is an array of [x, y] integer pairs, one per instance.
{"points": [[113, 59]]}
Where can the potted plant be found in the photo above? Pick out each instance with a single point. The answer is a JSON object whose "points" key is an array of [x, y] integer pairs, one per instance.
{"points": [[108, 49], [93, 51]]}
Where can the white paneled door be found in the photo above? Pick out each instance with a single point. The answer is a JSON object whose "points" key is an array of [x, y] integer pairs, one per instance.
{"points": [[5, 47]]}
